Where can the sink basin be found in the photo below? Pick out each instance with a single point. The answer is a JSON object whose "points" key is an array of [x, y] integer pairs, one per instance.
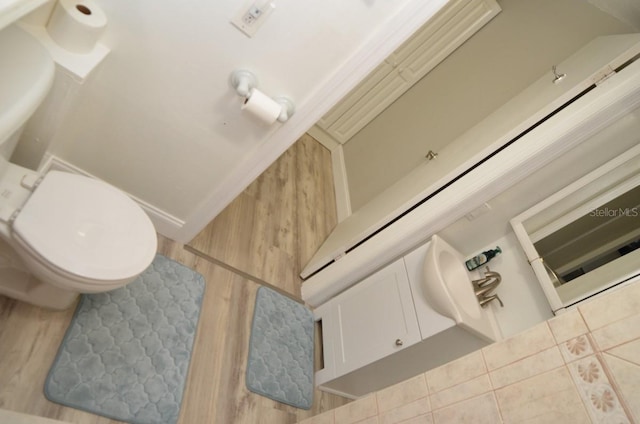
{"points": [[449, 291], [447, 283]]}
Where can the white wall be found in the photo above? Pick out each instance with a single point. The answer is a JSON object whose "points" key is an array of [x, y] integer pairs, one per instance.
{"points": [[159, 119], [519, 45]]}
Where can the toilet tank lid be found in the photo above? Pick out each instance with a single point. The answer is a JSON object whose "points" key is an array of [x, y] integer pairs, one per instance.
{"points": [[87, 227], [26, 75]]}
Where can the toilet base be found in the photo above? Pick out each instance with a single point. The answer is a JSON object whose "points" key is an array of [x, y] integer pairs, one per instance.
{"points": [[28, 289], [18, 283]]}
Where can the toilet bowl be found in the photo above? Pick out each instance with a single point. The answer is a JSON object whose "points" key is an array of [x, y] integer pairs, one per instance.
{"points": [[61, 234]]}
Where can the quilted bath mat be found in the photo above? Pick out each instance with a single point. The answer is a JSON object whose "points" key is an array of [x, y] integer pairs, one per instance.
{"points": [[126, 352], [280, 364]]}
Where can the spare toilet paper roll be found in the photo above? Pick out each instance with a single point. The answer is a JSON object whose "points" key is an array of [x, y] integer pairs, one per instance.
{"points": [[76, 25], [262, 106]]}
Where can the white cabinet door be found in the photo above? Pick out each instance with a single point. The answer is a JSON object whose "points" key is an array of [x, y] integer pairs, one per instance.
{"points": [[373, 319]]}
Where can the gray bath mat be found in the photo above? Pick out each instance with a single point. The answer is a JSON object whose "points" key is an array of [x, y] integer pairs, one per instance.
{"points": [[126, 352], [280, 363]]}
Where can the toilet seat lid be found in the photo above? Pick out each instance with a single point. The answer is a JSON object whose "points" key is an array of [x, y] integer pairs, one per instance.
{"points": [[86, 227]]}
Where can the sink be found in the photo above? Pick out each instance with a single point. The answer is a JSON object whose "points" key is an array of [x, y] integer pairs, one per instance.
{"points": [[449, 291], [447, 283]]}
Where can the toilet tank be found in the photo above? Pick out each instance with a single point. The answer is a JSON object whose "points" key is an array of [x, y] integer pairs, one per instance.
{"points": [[26, 75]]}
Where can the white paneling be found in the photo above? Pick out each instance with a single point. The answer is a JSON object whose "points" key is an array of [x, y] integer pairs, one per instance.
{"points": [[369, 106], [368, 84], [426, 50]]}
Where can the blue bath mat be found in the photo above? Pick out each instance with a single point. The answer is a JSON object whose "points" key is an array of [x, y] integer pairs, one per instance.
{"points": [[126, 352], [280, 364]]}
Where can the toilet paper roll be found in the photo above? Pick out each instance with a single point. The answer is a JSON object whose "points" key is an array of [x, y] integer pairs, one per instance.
{"points": [[76, 25], [262, 106]]}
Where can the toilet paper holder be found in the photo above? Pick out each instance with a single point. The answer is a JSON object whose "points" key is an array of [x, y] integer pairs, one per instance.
{"points": [[243, 81]]}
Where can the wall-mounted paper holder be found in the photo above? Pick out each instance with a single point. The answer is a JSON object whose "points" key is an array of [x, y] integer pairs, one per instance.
{"points": [[244, 81], [287, 108]]}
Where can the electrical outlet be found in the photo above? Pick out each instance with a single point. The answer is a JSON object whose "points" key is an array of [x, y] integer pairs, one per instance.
{"points": [[479, 211], [248, 20]]}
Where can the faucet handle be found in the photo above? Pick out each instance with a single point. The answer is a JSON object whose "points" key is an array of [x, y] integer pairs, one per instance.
{"points": [[484, 302], [480, 283], [492, 274]]}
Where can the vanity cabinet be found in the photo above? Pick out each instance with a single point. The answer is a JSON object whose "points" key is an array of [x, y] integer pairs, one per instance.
{"points": [[382, 331], [374, 319]]}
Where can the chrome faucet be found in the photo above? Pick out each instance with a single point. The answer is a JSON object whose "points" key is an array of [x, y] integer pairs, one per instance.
{"points": [[484, 287]]}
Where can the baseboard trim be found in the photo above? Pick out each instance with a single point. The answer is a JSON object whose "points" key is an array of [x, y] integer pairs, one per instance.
{"points": [[323, 137], [340, 182], [165, 223]]}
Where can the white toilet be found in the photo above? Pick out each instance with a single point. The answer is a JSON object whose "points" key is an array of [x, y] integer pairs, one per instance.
{"points": [[61, 234]]}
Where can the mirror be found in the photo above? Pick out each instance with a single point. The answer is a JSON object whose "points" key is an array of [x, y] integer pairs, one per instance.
{"points": [[586, 238], [594, 239]]}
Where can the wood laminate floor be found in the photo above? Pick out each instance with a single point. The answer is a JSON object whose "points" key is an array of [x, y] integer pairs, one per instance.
{"points": [[215, 391], [272, 229]]}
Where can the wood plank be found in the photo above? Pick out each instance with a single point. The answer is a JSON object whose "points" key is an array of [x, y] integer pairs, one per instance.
{"points": [[270, 230]]}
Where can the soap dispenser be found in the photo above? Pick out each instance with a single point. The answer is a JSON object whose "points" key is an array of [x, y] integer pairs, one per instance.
{"points": [[482, 258]]}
